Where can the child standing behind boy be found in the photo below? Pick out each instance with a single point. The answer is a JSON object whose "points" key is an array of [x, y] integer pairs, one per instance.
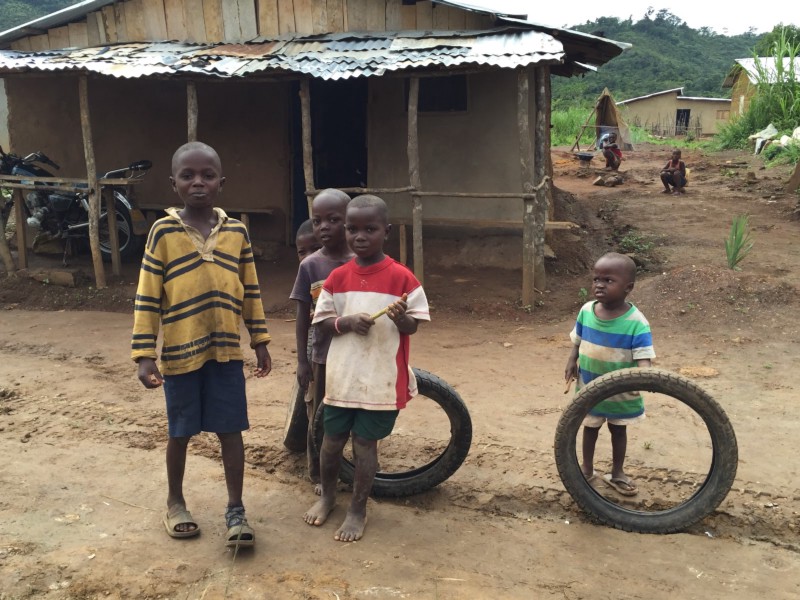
{"points": [[305, 241], [197, 281], [610, 334], [327, 219], [368, 374]]}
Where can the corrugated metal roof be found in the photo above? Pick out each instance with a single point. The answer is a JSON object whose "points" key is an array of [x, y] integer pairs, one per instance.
{"points": [[334, 56], [763, 64], [678, 95]]}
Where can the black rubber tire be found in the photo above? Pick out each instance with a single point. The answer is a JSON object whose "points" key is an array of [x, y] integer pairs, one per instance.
{"points": [[702, 503], [295, 429], [130, 244], [428, 476]]}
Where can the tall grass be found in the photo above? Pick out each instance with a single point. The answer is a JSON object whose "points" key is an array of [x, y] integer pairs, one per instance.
{"points": [[566, 125], [738, 244]]}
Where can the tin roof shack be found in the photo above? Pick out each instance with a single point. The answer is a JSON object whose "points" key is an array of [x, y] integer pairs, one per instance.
{"points": [[747, 72], [670, 113], [435, 101]]}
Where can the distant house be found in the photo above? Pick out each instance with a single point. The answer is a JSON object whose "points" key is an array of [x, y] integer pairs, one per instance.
{"points": [[744, 75], [670, 113]]}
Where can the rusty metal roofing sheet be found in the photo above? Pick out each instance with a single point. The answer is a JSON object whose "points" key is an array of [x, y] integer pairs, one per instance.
{"points": [[335, 56]]}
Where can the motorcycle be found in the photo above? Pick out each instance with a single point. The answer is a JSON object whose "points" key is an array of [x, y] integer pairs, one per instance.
{"points": [[65, 215]]}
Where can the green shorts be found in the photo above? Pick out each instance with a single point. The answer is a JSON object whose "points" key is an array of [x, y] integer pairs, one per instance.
{"points": [[368, 424]]}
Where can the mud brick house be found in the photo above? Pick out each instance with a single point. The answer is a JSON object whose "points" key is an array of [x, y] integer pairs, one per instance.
{"points": [[670, 113]]}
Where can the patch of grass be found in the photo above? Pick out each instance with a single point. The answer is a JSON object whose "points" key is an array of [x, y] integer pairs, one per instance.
{"points": [[583, 294], [634, 242], [738, 243]]}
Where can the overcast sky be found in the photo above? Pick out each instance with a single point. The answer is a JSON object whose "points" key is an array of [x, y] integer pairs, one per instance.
{"points": [[730, 18]]}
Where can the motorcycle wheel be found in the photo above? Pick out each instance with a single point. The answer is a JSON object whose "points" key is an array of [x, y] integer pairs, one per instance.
{"points": [[702, 503], [130, 244], [440, 465]]}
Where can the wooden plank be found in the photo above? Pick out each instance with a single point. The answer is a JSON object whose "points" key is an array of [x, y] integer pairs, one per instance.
{"points": [[175, 12], [393, 22], [134, 20], [93, 28], [541, 148], [22, 44], [40, 42], [457, 18], [414, 177], [440, 17], [424, 15], [484, 223], [5, 251], [319, 16], [155, 21], [78, 35], [192, 111], [526, 177], [231, 28], [108, 23], [357, 15], [248, 22], [477, 21], [268, 18], [304, 16], [195, 23], [21, 227], [308, 150], [408, 17], [336, 15], [286, 16], [59, 37], [94, 188], [376, 15], [212, 15]]}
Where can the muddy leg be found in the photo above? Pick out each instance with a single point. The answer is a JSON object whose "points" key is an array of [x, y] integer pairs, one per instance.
{"points": [[330, 460], [366, 455], [589, 442]]}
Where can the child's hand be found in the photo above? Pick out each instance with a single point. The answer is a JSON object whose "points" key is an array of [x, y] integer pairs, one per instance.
{"points": [[149, 374], [263, 361], [304, 374], [396, 311], [571, 371], [360, 323]]}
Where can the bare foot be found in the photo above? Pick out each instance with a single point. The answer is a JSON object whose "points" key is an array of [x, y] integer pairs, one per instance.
{"points": [[667, 191], [318, 514], [352, 529]]}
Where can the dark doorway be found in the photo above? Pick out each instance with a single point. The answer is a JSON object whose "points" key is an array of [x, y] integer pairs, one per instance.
{"points": [[338, 137], [682, 121]]}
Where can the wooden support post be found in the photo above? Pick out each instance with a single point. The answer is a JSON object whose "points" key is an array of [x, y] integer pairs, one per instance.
{"points": [[403, 244], [113, 234], [22, 229], [308, 150], [526, 177], [191, 110], [245, 219], [91, 177], [414, 178], [5, 251], [541, 149]]}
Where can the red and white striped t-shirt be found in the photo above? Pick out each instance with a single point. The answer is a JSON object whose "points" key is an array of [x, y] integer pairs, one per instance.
{"points": [[372, 371]]}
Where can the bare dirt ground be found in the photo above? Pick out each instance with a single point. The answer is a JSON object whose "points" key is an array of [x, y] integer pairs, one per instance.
{"points": [[83, 480]]}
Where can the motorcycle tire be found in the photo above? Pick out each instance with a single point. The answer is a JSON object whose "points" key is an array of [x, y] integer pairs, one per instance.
{"points": [[295, 429], [130, 244], [439, 468], [702, 503]]}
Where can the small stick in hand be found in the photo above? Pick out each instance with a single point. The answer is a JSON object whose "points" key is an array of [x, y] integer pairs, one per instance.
{"points": [[382, 311], [569, 382]]}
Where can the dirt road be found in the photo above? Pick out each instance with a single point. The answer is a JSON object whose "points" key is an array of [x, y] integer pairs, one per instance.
{"points": [[84, 484]]}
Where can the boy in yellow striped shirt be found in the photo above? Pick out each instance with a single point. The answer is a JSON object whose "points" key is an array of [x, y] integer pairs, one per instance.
{"points": [[197, 282]]}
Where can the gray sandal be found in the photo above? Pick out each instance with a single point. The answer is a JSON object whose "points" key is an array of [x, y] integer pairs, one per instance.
{"points": [[239, 532]]}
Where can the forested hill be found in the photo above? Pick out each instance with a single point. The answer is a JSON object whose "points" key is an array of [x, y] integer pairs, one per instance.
{"points": [[666, 54], [17, 12]]}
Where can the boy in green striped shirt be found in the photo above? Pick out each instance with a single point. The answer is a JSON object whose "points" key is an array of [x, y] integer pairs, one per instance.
{"points": [[610, 333]]}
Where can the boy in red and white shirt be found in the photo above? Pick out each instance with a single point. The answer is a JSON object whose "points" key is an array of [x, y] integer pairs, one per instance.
{"points": [[368, 377]]}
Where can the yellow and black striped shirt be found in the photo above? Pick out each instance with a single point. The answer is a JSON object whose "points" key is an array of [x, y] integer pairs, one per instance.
{"points": [[197, 290]]}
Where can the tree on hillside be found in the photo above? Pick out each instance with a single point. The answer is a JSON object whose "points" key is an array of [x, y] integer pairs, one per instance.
{"points": [[766, 45]]}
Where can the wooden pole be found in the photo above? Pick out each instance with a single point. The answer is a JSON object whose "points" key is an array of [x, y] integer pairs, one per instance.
{"points": [[22, 229], [113, 234], [526, 177], [403, 244], [191, 110], [414, 178], [5, 251], [308, 149], [541, 150], [91, 177]]}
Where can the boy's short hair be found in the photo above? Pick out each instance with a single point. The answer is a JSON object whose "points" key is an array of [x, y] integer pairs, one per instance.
{"points": [[306, 228], [625, 261], [370, 201], [335, 195], [189, 146]]}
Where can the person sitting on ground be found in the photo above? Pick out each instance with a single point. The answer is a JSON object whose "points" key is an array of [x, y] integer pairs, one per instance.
{"points": [[305, 241], [197, 283], [368, 375], [674, 174], [611, 152], [610, 333]]}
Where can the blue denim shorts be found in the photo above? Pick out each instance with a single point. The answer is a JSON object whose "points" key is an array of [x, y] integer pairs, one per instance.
{"points": [[212, 398]]}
